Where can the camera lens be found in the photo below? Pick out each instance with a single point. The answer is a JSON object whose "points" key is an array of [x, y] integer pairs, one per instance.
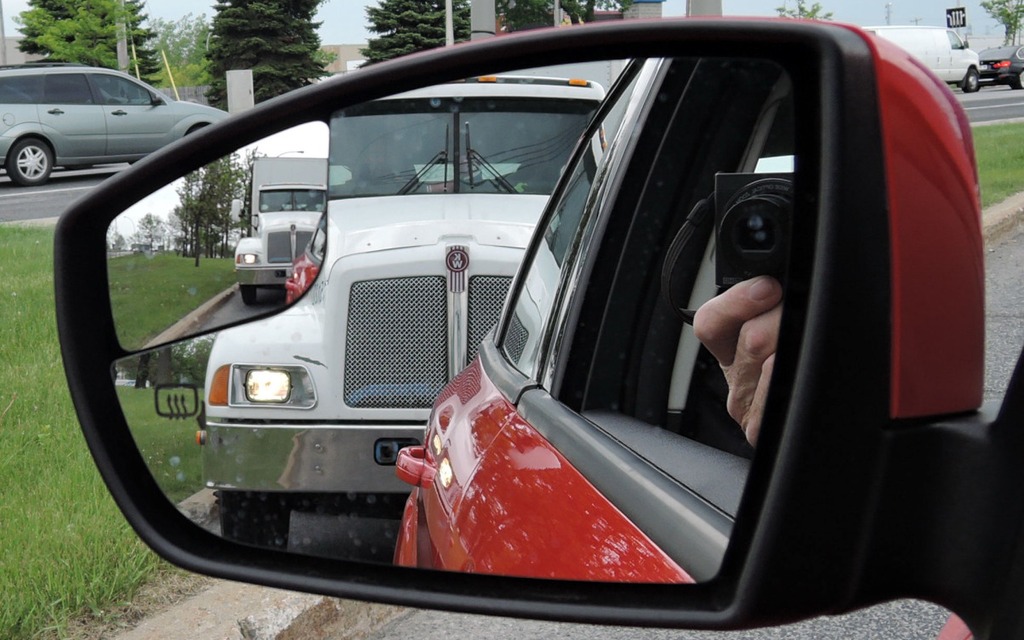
{"points": [[755, 229]]}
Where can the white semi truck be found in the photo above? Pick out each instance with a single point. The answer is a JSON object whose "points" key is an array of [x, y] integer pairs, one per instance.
{"points": [[433, 196], [288, 196]]}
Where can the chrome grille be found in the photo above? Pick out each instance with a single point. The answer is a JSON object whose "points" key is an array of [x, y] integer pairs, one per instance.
{"points": [[396, 343], [279, 245], [515, 339], [486, 298]]}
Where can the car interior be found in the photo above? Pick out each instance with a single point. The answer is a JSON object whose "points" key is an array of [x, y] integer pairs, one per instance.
{"points": [[628, 362]]}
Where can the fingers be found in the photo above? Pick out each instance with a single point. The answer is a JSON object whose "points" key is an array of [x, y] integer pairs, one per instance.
{"points": [[746, 405], [740, 328], [718, 321]]}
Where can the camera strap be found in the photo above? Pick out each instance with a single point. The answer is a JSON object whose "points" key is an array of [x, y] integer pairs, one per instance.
{"points": [[682, 262]]}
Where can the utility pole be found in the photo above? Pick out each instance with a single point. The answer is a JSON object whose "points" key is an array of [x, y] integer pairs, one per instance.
{"points": [[3, 38], [888, 13], [481, 19], [449, 24], [122, 41]]}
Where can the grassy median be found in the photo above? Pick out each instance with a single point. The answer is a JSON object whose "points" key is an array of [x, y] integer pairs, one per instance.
{"points": [[65, 550], [1000, 161], [64, 547]]}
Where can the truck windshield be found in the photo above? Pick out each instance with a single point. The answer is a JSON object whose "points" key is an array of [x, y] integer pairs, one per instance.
{"points": [[453, 145], [292, 200]]}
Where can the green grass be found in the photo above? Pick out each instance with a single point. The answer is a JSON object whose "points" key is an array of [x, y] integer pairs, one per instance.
{"points": [[1000, 161], [65, 549], [149, 293], [168, 446]]}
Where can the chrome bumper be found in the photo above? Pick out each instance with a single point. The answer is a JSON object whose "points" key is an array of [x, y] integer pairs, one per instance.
{"points": [[264, 276], [325, 458]]}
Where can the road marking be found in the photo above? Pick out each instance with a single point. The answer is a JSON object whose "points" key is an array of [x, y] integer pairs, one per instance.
{"points": [[996, 106], [35, 193]]}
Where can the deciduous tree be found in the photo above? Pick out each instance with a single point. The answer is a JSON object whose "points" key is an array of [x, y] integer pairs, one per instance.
{"points": [[803, 10], [184, 42], [1010, 14], [517, 15], [87, 31]]}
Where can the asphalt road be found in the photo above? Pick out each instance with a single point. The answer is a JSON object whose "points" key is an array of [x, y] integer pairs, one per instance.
{"points": [[51, 199], [992, 104]]}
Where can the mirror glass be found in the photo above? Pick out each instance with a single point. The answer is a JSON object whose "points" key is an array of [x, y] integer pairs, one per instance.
{"points": [[199, 254], [305, 430]]}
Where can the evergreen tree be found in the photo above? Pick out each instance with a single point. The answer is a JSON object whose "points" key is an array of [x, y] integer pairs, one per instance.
{"points": [[408, 26], [87, 31], [277, 39]]}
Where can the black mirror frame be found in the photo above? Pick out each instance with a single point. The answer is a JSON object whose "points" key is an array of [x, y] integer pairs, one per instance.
{"points": [[778, 568]]}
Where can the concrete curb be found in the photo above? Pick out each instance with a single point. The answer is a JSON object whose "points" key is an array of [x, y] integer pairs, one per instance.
{"points": [[235, 611]]}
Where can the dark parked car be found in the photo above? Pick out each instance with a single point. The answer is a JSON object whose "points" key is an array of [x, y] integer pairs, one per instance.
{"points": [[583, 467], [1003, 65]]}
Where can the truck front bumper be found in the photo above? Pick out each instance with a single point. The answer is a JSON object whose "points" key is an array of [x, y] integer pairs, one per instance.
{"points": [[306, 457], [263, 276]]}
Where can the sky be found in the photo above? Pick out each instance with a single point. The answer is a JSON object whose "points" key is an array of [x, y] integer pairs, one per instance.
{"points": [[344, 21]]}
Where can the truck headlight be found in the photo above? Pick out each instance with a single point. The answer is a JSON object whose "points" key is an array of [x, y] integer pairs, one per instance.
{"points": [[263, 385], [247, 258]]}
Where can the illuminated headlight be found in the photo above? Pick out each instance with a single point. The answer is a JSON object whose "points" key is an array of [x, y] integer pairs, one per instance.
{"points": [[285, 386], [248, 258], [268, 386]]}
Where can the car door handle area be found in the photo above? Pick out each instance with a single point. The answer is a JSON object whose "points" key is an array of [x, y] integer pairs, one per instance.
{"points": [[413, 468], [56, 112], [119, 112]]}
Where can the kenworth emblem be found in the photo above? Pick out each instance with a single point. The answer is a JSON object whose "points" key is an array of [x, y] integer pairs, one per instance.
{"points": [[457, 261]]}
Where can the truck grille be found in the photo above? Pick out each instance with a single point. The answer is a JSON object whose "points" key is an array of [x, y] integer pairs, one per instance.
{"points": [[279, 245], [486, 298], [396, 343]]}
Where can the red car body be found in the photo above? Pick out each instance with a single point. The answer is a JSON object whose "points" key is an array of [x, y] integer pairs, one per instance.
{"points": [[304, 273], [502, 470]]}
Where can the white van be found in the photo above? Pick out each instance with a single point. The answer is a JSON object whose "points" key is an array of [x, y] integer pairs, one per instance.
{"points": [[940, 49]]}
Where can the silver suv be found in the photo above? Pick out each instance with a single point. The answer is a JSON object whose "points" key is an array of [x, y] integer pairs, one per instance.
{"points": [[75, 116]]}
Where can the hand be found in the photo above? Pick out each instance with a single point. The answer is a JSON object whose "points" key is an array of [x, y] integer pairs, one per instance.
{"points": [[740, 328]]}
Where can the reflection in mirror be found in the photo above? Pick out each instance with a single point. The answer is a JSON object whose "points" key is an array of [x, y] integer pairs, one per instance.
{"points": [[306, 430], [217, 245]]}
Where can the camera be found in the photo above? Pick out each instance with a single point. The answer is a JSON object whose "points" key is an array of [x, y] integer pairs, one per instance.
{"points": [[753, 213]]}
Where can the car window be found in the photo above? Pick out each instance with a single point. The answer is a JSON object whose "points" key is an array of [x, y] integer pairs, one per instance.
{"points": [[536, 297], [21, 89], [114, 90], [66, 88]]}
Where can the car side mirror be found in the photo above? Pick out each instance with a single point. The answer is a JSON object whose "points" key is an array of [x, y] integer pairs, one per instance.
{"points": [[567, 471]]}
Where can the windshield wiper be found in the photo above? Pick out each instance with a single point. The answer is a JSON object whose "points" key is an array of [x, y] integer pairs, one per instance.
{"points": [[472, 155], [440, 157]]}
